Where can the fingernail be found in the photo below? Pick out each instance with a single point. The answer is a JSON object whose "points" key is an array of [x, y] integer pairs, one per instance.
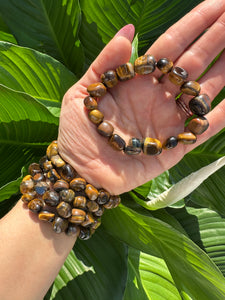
{"points": [[127, 31]]}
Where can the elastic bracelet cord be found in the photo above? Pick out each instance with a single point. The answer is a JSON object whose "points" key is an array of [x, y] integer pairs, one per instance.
{"points": [[56, 192]]}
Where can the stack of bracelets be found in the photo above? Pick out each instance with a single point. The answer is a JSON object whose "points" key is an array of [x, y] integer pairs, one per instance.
{"points": [[60, 196]]}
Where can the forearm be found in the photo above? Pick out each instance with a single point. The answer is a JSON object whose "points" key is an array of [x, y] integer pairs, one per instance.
{"points": [[31, 255]]}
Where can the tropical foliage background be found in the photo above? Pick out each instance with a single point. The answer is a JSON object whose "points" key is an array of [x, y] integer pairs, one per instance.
{"points": [[176, 252]]}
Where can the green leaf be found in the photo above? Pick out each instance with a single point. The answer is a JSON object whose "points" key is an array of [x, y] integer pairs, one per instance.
{"points": [[5, 34], [134, 53], [48, 26]]}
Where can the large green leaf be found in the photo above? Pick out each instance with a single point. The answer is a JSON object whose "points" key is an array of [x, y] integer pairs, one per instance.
{"points": [[5, 34], [48, 26]]}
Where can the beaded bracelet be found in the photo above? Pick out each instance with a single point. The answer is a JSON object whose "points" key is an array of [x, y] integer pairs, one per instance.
{"points": [[199, 105], [55, 191]]}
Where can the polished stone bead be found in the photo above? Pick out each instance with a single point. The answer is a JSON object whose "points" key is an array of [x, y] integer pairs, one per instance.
{"points": [[103, 197], [170, 143], [89, 220], [27, 186], [67, 172], [78, 216], [90, 103], [109, 204], [99, 212], [97, 89], [116, 200], [85, 233], [152, 146], [73, 230], [109, 78], [192, 88], [125, 71], [165, 65], [105, 128], [53, 175], [79, 202], [57, 161], [36, 205], [43, 160], [91, 192], [116, 142], [198, 125], [51, 198], [178, 75], [28, 196], [60, 185], [64, 209], [46, 216], [135, 143], [95, 116], [78, 184], [60, 225], [67, 195], [200, 105], [41, 187], [145, 64], [96, 224], [34, 168], [52, 149], [92, 206], [131, 150], [186, 138], [38, 177], [47, 166]]}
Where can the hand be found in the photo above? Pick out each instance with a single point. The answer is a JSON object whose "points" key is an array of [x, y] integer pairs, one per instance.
{"points": [[144, 106]]}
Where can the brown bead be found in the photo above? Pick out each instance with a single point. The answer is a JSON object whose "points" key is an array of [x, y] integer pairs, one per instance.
{"points": [[79, 202], [103, 197], [191, 88], [78, 184], [96, 224], [52, 149], [109, 204], [26, 178], [46, 216], [95, 116], [60, 185], [53, 175], [36, 205], [85, 233], [97, 89], [105, 128], [99, 212], [145, 64], [60, 225], [27, 186], [47, 166], [117, 143], [152, 146], [38, 177], [165, 65], [41, 187], [67, 172], [51, 198], [116, 200], [67, 195], [57, 161], [78, 216], [91, 192], [125, 71], [89, 220], [178, 75], [64, 209], [92, 206], [200, 105], [109, 78], [43, 160], [73, 230], [34, 169], [90, 103], [198, 125], [28, 196], [170, 143], [186, 138]]}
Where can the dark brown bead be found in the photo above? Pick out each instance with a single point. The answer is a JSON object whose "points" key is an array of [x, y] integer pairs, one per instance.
{"points": [[198, 125], [109, 204], [116, 200], [145, 64], [53, 175], [60, 225], [73, 230], [27, 186], [200, 105], [131, 150], [46, 216], [117, 143], [67, 172], [91, 192], [92, 206], [95, 116], [109, 78], [36, 205], [89, 220], [78, 184], [105, 128], [60, 185], [152, 146], [165, 65], [125, 71], [99, 212], [170, 143], [90, 103], [28, 196], [186, 138], [43, 160], [85, 233], [34, 169], [191, 88], [64, 209], [57, 161], [67, 195], [178, 75], [51, 198], [47, 166], [103, 197], [97, 89], [78, 216], [79, 202], [52, 149], [38, 177], [41, 187]]}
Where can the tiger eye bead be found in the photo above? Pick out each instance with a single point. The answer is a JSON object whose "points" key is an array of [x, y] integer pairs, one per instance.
{"points": [[35, 205], [26, 186], [97, 89], [67, 172], [47, 166], [92, 206], [38, 177], [78, 216], [125, 72], [145, 64], [109, 204], [95, 116], [178, 75], [186, 138], [200, 105], [89, 220], [79, 202], [43, 160], [34, 168], [103, 197], [60, 225], [64, 209], [131, 150], [57, 161], [90, 103], [91, 192], [105, 129], [41, 187], [78, 184], [51, 198], [170, 143], [99, 212], [85, 233], [60, 185], [152, 146], [165, 65], [73, 230], [116, 200], [53, 175], [96, 224], [28, 196], [191, 88], [52, 149], [67, 195], [116, 142], [198, 125], [46, 216], [109, 78]]}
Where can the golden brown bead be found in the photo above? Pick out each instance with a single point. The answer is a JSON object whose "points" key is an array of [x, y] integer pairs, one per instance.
{"points": [[99, 212], [89, 220], [64, 209], [178, 75], [116, 142], [92, 206], [36, 205], [60, 225], [67, 172], [165, 65], [145, 64], [26, 186], [109, 204], [52, 149], [38, 177], [67, 195], [200, 105], [46, 216], [43, 160], [97, 89], [78, 184], [78, 216], [79, 202], [57, 161], [60, 185], [53, 175], [109, 78], [198, 125], [51, 198], [103, 197], [34, 169], [186, 138], [91, 192], [47, 166], [96, 116], [96, 224], [28, 196], [73, 230], [90, 103], [191, 88], [105, 128], [116, 200], [152, 146], [125, 71]]}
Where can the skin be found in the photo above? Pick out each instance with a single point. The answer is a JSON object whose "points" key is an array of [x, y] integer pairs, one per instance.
{"points": [[141, 107]]}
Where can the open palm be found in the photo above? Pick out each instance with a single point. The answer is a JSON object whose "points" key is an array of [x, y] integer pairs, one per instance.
{"points": [[145, 105]]}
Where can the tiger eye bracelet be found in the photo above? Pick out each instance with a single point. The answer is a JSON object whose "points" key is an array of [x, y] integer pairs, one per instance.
{"points": [[198, 106], [55, 191]]}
